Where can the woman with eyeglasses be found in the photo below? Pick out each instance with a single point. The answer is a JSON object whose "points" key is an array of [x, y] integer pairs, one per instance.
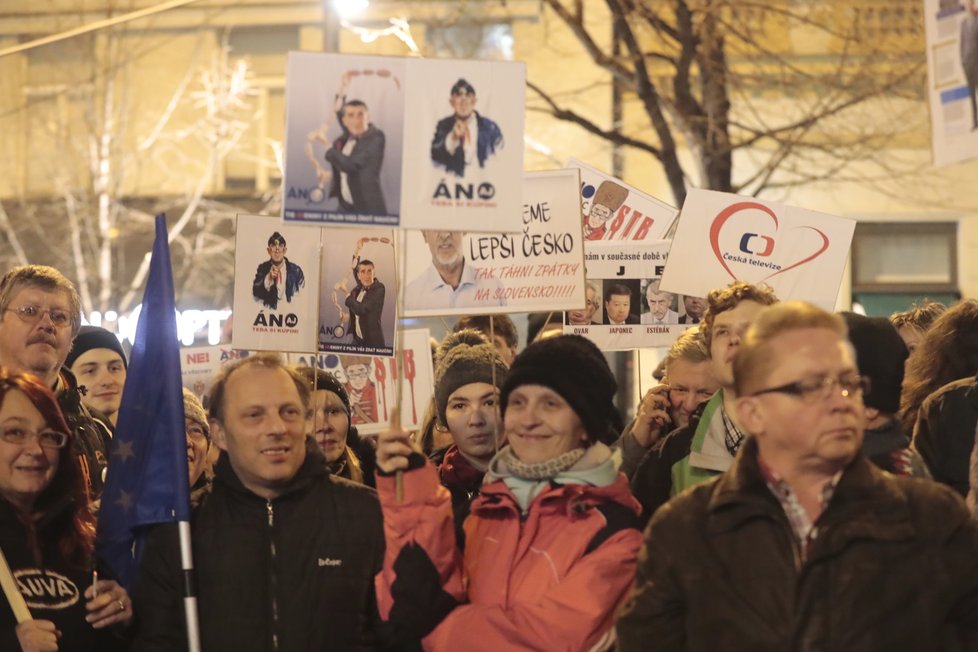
{"points": [[47, 532]]}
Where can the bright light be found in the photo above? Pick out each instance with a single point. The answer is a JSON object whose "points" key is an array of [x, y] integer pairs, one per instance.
{"points": [[350, 8]]}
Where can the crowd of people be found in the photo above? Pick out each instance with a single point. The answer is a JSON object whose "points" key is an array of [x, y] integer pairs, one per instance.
{"points": [[797, 480]]}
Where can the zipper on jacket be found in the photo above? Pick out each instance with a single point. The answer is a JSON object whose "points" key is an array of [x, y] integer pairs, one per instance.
{"points": [[272, 582]]}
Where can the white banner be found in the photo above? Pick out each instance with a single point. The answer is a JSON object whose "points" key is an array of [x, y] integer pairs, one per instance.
{"points": [[723, 237], [199, 365], [276, 285], [539, 269]]}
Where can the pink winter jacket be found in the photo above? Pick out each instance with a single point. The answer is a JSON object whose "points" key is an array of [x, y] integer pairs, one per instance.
{"points": [[550, 581]]}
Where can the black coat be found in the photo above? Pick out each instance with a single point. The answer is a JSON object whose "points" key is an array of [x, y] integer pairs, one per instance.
{"points": [[367, 314], [362, 168], [298, 569]]}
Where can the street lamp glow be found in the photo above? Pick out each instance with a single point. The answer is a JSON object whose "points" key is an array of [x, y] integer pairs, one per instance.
{"points": [[349, 8]]}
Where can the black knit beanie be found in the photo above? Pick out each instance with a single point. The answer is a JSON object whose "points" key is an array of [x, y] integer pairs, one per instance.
{"points": [[880, 356], [576, 369], [94, 337], [326, 381], [465, 357]]}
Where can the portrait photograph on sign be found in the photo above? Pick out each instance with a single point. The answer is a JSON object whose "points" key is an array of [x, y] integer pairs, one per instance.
{"points": [[463, 145], [276, 285], [626, 309], [371, 382], [357, 309], [722, 237], [539, 269], [613, 210], [344, 139]]}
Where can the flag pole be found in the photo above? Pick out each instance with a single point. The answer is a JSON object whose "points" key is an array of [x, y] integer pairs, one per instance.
{"points": [[189, 587], [17, 603]]}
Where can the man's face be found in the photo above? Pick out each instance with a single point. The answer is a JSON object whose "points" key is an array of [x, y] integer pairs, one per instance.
{"points": [[103, 373], [472, 414], [355, 119], [35, 345], [445, 246], [618, 306], [463, 102], [263, 431], [690, 383], [584, 317], [659, 303], [366, 275], [728, 327], [277, 253], [506, 352], [358, 375], [695, 306], [197, 448], [821, 432], [599, 214]]}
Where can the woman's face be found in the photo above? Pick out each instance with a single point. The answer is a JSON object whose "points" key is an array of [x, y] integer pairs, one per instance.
{"points": [[329, 423], [540, 424], [197, 445], [26, 468]]}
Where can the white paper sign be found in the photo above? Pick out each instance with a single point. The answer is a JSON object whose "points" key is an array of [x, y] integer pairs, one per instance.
{"points": [[371, 382], [723, 237], [952, 76], [276, 285], [539, 269], [200, 364], [416, 143], [614, 210], [626, 307]]}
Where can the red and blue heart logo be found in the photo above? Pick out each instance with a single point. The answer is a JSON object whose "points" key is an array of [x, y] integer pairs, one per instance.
{"points": [[753, 246]]}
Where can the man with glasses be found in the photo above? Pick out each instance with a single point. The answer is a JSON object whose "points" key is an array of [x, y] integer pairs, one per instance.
{"points": [[361, 390], [803, 543], [706, 446], [277, 278], [466, 137], [41, 314]]}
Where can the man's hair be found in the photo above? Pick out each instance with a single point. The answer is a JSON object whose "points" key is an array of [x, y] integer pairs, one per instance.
{"points": [[44, 278], [502, 325], [724, 299], [365, 262], [690, 347], [354, 103], [270, 361], [653, 286], [753, 360], [920, 315], [617, 289]]}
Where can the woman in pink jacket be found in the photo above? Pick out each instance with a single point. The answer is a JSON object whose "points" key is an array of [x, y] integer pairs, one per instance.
{"points": [[550, 545]]}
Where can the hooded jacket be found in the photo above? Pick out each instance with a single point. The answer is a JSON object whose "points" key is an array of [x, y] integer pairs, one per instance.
{"points": [[292, 573], [893, 567], [546, 578]]}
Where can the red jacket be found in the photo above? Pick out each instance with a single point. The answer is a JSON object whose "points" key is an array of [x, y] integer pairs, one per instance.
{"points": [[550, 581]]}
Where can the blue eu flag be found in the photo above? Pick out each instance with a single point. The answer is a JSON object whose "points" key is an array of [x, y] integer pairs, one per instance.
{"points": [[147, 480]]}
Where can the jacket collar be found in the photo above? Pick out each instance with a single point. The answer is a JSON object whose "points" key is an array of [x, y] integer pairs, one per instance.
{"points": [[570, 498], [865, 503], [312, 467]]}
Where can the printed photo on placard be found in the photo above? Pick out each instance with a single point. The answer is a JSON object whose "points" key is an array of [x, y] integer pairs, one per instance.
{"points": [[613, 210], [344, 138], [952, 72], [463, 145], [357, 311], [539, 269], [200, 364], [371, 382], [276, 285], [722, 237], [626, 309]]}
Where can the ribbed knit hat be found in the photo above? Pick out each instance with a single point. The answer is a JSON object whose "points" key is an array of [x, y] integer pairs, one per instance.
{"points": [[94, 337], [326, 381], [463, 358], [576, 369], [193, 410], [880, 356]]}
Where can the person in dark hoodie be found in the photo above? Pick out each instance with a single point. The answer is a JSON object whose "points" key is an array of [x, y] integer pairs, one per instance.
{"points": [[880, 355]]}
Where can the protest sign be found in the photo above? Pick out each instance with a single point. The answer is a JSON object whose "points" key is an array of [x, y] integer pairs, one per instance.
{"points": [[613, 210], [357, 310], [539, 269], [415, 143], [276, 285], [625, 307], [952, 76], [371, 382], [199, 365], [724, 237]]}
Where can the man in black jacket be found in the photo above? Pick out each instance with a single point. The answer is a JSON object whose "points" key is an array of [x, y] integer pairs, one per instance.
{"points": [[285, 553]]}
